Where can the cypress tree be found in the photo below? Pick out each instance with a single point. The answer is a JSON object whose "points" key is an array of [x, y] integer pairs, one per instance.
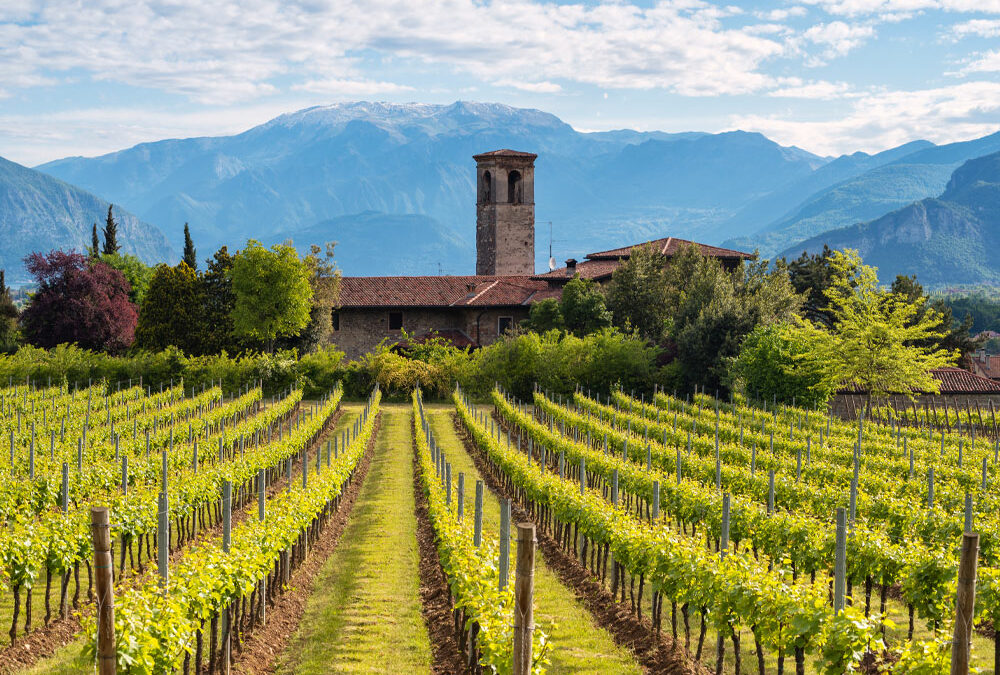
{"points": [[111, 246], [95, 243], [190, 255], [8, 316]]}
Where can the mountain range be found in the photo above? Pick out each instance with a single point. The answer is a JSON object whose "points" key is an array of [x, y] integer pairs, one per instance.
{"points": [[41, 213], [393, 184], [949, 239]]}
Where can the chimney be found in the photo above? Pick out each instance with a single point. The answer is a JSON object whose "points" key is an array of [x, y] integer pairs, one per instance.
{"points": [[571, 267]]}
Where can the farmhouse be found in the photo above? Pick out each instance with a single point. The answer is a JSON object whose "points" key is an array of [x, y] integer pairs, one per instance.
{"points": [[476, 309]]}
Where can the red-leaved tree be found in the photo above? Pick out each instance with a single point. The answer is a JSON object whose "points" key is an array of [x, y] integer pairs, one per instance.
{"points": [[78, 300]]}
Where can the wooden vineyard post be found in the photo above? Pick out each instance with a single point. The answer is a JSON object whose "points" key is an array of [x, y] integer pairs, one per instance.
{"points": [[101, 528], [477, 537], [524, 591], [965, 602]]}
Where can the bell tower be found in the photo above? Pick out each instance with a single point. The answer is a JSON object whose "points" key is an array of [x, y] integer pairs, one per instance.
{"points": [[505, 213]]}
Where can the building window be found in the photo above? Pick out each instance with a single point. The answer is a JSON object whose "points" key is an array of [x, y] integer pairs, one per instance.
{"points": [[487, 188], [514, 195], [395, 320], [504, 324], [335, 320]]}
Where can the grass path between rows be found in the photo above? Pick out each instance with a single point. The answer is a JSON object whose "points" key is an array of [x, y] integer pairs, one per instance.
{"points": [[364, 613], [579, 645]]}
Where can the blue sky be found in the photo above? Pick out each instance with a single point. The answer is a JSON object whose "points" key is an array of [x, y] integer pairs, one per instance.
{"points": [[832, 76]]}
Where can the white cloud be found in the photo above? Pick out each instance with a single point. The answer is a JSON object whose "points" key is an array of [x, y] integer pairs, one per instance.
{"points": [[228, 51], [342, 87], [822, 91], [783, 13], [31, 139], [880, 120], [986, 62], [889, 9], [533, 87], [975, 28], [837, 38]]}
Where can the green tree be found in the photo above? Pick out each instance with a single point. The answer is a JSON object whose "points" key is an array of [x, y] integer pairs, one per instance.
{"points": [[324, 278], [111, 246], [715, 308], [272, 292], [219, 301], [879, 340], [190, 255], [172, 313], [95, 243], [811, 276], [137, 273], [8, 317], [767, 367], [957, 333], [544, 316], [637, 294], [583, 308]]}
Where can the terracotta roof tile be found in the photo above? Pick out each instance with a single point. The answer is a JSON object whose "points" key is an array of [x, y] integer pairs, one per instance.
{"points": [[953, 381], [960, 381], [669, 246], [587, 269], [506, 153], [443, 291]]}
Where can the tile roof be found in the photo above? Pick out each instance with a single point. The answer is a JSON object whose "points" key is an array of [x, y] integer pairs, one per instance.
{"points": [[986, 365], [505, 153], [669, 246], [602, 264], [952, 381], [587, 269], [443, 291], [960, 381]]}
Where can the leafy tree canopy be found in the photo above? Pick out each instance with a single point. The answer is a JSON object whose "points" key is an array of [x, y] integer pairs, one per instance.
{"points": [[272, 292], [882, 341], [173, 312], [137, 273], [637, 294], [78, 301]]}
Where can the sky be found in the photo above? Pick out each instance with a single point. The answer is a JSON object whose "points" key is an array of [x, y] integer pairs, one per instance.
{"points": [[87, 77]]}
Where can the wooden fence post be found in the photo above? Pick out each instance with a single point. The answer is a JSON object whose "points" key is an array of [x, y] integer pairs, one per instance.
{"points": [[965, 602], [524, 591], [101, 528]]}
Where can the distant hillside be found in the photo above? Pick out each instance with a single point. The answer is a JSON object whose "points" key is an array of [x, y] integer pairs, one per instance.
{"points": [[598, 189], [377, 244], [868, 195], [41, 213], [950, 239]]}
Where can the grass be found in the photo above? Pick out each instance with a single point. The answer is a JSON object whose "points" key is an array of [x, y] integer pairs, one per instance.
{"points": [[364, 612], [579, 645]]}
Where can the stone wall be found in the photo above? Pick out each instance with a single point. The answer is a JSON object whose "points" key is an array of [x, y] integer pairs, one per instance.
{"points": [[361, 330]]}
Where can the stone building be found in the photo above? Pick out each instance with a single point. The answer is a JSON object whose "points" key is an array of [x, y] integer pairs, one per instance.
{"points": [[474, 310]]}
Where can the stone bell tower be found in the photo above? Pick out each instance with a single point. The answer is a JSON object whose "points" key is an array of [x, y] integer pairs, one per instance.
{"points": [[505, 212]]}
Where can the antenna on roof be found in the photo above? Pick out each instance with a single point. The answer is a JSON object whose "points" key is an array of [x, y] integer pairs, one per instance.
{"points": [[440, 271], [552, 261]]}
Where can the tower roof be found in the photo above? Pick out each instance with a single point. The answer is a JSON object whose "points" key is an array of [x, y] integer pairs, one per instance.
{"points": [[514, 154]]}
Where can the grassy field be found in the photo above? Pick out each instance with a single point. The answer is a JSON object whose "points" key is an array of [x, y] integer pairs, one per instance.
{"points": [[580, 646], [364, 614]]}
